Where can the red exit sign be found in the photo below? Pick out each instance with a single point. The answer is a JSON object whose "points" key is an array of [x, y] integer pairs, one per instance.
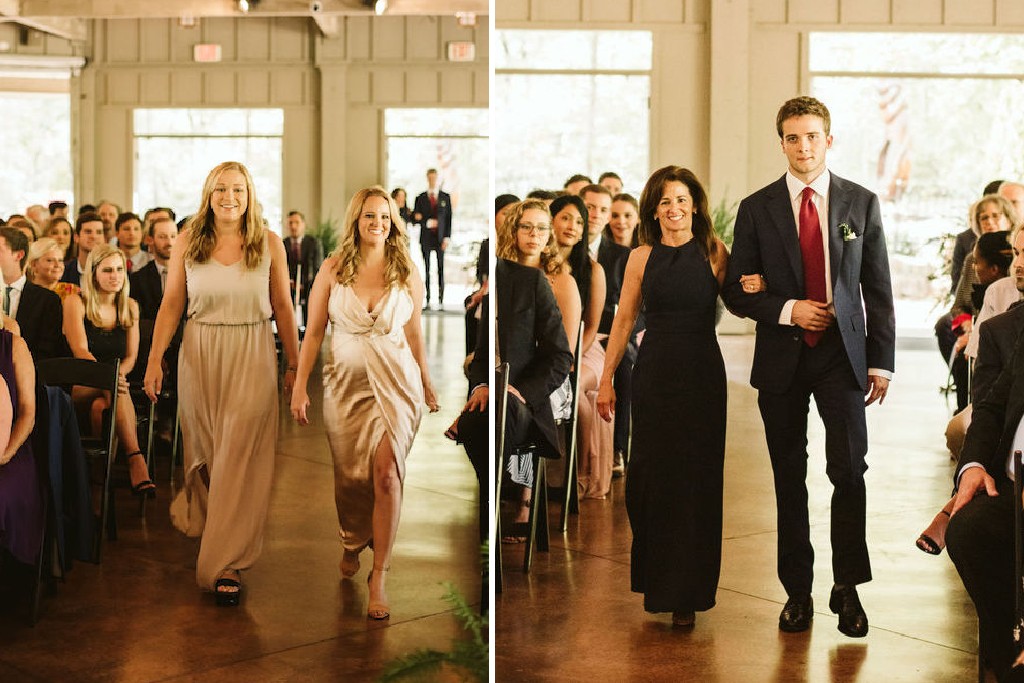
{"points": [[461, 51], [208, 52]]}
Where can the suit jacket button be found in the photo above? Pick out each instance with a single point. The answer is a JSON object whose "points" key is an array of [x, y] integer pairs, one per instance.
{"points": [[796, 337]]}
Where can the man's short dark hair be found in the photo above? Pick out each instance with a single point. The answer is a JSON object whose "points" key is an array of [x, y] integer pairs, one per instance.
{"points": [[54, 207], [17, 241], [123, 218], [84, 218], [608, 174], [546, 195], [993, 187], [577, 178], [803, 106], [297, 213], [86, 208], [599, 189], [155, 209], [431, 170]]}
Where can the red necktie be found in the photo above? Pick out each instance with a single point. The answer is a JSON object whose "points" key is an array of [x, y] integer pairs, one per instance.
{"points": [[128, 264], [295, 250], [813, 252]]}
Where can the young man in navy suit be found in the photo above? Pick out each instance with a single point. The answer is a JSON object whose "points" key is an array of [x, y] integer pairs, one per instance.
{"points": [[433, 212], [825, 328]]}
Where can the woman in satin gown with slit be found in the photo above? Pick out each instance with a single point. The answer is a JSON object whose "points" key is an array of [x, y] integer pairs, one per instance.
{"points": [[376, 383]]}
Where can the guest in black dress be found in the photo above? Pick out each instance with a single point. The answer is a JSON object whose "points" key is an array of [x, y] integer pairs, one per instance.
{"points": [[21, 506], [674, 487], [101, 325]]}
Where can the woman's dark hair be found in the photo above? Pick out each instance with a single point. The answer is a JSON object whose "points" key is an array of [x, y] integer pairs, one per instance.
{"points": [[503, 200], [650, 231], [994, 249], [579, 257]]}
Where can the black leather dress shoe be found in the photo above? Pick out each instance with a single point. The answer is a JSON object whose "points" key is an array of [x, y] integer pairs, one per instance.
{"points": [[852, 619], [797, 614]]}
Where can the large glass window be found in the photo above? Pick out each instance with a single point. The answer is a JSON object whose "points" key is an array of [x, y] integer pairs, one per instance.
{"points": [[176, 148], [925, 121], [455, 142], [36, 139], [568, 102]]}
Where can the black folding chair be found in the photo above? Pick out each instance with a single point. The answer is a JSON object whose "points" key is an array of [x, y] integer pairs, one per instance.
{"points": [[539, 534], [501, 406], [68, 372]]}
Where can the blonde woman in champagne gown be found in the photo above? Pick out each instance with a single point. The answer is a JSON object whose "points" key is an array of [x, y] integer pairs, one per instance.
{"points": [[235, 275], [375, 388]]}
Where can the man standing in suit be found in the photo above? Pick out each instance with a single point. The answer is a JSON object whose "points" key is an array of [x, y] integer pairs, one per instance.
{"points": [[612, 257], [825, 328], [147, 283], [36, 309], [89, 234], [305, 254], [433, 212]]}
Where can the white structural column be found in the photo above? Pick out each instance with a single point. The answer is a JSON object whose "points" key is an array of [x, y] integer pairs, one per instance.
{"points": [[729, 99]]}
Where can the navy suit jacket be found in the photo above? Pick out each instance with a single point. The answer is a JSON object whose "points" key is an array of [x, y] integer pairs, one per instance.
{"points": [[531, 339], [997, 338], [41, 318], [311, 255], [612, 258], [444, 216], [766, 241]]}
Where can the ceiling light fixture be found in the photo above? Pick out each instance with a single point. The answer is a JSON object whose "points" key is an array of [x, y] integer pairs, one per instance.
{"points": [[380, 7], [243, 5]]}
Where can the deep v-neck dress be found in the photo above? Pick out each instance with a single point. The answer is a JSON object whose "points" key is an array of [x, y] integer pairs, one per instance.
{"points": [[372, 390], [227, 390]]}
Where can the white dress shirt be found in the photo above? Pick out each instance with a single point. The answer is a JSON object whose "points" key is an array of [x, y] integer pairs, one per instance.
{"points": [[821, 186], [18, 286]]}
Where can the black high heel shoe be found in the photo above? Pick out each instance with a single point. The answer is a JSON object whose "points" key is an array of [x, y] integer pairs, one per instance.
{"points": [[228, 598], [145, 488]]}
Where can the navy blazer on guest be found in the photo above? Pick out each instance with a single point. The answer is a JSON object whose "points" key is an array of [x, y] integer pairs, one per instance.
{"points": [[311, 255], [421, 208], [41, 318], [531, 339], [766, 241]]}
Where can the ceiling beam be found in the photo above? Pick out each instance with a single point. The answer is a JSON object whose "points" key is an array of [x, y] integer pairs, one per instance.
{"points": [[135, 9], [62, 27]]}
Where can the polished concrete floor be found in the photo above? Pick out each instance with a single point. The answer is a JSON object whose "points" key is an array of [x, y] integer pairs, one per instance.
{"points": [[574, 618], [139, 616]]}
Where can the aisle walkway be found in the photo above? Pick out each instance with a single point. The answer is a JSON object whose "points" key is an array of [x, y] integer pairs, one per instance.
{"points": [[573, 618], [140, 617]]}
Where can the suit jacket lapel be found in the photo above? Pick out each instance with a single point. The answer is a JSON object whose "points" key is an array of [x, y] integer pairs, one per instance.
{"points": [[838, 203], [781, 210]]}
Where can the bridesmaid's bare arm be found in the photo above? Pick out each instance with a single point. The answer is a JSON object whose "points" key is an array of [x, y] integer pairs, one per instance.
{"points": [[316, 326], [414, 335]]}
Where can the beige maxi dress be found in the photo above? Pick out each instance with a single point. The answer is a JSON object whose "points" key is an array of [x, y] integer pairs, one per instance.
{"points": [[227, 389], [372, 390]]}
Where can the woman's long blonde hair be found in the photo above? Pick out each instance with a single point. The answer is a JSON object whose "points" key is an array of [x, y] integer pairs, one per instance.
{"points": [[91, 291], [551, 261], [397, 262], [200, 233]]}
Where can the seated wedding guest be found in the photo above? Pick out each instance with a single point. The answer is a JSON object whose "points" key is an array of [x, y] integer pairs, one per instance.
{"points": [[980, 533], [991, 213], [576, 182], [21, 505], [62, 233], [595, 436], [531, 339], [45, 266], [25, 225], [526, 237], [88, 235], [102, 325], [108, 213], [612, 181], [36, 309], [996, 339], [546, 196], [501, 204], [39, 216], [625, 217], [128, 228]]}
